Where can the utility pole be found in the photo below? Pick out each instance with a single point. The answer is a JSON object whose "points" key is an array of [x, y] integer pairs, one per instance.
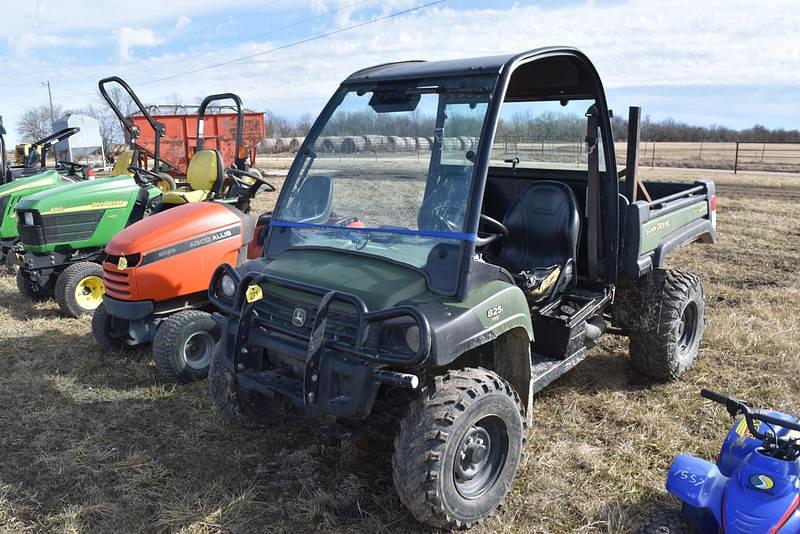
{"points": [[50, 94]]}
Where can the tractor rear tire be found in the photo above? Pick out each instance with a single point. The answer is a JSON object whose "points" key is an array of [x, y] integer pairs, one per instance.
{"points": [[80, 288], [233, 407], [31, 294], [166, 183], [184, 345], [666, 522], [669, 347], [458, 449], [101, 329]]}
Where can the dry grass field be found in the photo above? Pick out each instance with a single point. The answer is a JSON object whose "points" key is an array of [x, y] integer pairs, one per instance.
{"points": [[93, 442]]}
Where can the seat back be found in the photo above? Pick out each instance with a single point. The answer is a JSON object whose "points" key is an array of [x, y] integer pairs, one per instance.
{"points": [[124, 160], [205, 171], [543, 227]]}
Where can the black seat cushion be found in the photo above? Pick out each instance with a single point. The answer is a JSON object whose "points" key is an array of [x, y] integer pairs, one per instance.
{"points": [[543, 228]]}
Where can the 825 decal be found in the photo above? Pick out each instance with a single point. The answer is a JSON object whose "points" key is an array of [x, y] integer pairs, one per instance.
{"points": [[494, 312]]}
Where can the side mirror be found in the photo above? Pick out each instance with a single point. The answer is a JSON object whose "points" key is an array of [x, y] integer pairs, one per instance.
{"points": [[311, 202]]}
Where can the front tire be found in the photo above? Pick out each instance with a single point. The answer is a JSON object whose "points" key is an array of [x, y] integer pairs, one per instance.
{"points": [[669, 347], [458, 449], [184, 345], [235, 409], [102, 329], [27, 290], [666, 522], [80, 288]]}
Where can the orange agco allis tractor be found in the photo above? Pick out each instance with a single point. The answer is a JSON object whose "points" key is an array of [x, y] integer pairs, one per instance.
{"points": [[157, 271]]}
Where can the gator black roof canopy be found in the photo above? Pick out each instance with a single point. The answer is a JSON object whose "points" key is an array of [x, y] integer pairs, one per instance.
{"points": [[556, 71]]}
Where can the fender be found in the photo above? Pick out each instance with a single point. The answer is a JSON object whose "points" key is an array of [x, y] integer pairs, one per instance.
{"points": [[698, 483]]}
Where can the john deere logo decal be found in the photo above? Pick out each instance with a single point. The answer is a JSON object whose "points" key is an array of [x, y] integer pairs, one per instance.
{"points": [[762, 482], [299, 317]]}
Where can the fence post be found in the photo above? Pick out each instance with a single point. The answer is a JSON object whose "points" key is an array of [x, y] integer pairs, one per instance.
{"points": [[763, 149], [701, 151], [653, 160], [736, 159]]}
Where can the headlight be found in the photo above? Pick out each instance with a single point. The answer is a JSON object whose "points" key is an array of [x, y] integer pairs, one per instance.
{"points": [[227, 286], [400, 338], [28, 218]]}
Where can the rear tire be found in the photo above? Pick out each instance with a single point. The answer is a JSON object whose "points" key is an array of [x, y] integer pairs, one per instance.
{"points": [[669, 347], [235, 409], [27, 291], [458, 449], [166, 183], [183, 346], [666, 522], [80, 288], [101, 329]]}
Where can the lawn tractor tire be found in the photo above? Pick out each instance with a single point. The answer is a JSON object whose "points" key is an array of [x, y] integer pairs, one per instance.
{"points": [[10, 263], [80, 289], [666, 522], [31, 294], [458, 448], [183, 346], [234, 407], [668, 348], [166, 183], [101, 329]]}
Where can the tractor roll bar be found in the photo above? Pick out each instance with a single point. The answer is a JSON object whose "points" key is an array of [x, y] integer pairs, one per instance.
{"points": [[47, 142], [201, 112], [158, 128]]}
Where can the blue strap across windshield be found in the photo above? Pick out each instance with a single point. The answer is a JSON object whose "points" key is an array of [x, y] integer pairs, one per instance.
{"points": [[398, 231]]}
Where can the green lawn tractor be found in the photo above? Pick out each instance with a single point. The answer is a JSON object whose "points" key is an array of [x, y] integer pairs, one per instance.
{"points": [[63, 231]]}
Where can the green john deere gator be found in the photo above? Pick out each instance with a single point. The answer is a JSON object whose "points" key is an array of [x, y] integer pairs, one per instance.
{"points": [[63, 231], [451, 238]]}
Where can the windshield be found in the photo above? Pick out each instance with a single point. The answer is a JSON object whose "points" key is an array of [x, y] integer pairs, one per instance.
{"points": [[389, 173]]}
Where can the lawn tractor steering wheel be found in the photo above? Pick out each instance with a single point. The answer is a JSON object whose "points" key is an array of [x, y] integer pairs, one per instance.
{"points": [[73, 167], [238, 175], [144, 177], [499, 228]]}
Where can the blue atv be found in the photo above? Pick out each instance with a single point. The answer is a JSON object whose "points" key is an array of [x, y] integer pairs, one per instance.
{"points": [[753, 488]]}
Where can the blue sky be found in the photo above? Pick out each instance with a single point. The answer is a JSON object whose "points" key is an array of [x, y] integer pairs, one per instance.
{"points": [[727, 62]]}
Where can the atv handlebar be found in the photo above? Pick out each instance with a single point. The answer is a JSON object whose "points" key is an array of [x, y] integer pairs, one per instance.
{"points": [[788, 446]]}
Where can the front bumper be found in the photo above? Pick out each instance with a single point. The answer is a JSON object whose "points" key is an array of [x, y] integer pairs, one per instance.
{"points": [[131, 321], [327, 375]]}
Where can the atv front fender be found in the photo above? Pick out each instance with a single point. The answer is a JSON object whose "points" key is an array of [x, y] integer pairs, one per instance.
{"points": [[698, 483]]}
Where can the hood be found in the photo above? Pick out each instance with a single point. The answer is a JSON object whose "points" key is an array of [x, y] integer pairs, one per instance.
{"points": [[177, 225], [43, 179], [380, 283], [105, 193]]}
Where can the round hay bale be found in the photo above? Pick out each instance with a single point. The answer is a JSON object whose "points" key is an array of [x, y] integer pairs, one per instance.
{"points": [[282, 144], [353, 144], [396, 144], [265, 146], [376, 143], [423, 144], [411, 144], [451, 144], [464, 141], [295, 142]]}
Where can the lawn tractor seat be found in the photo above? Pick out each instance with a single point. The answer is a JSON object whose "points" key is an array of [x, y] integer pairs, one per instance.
{"points": [[205, 174], [540, 248], [126, 159]]}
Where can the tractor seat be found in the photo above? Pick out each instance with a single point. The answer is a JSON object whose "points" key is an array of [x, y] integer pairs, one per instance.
{"points": [[540, 248], [204, 175], [124, 160]]}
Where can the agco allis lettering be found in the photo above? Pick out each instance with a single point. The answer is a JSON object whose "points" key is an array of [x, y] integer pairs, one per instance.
{"points": [[205, 240]]}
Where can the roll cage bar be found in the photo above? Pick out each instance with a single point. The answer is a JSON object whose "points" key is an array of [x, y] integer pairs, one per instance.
{"points": [[127, 124]]}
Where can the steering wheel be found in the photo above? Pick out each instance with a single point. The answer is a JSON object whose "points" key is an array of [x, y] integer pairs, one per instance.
{"points": [[143, 177], [73, 167], [237, 176], [499, 228]]}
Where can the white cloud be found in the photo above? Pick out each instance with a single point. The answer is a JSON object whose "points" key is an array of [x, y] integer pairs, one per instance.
{"points": [[25, 41], [182, 22], [128, 37]]}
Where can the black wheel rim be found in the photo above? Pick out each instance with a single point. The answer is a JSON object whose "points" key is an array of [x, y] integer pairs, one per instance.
{"points": [[480, 457], [198, 350], [687, 328]]}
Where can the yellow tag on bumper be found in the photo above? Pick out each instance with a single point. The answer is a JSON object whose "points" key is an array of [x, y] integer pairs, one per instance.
{"points": [[122, 264], [254, 293]]}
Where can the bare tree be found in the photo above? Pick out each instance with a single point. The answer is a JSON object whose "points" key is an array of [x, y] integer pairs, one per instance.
{"points": [[110, 128], [35, 122]]}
